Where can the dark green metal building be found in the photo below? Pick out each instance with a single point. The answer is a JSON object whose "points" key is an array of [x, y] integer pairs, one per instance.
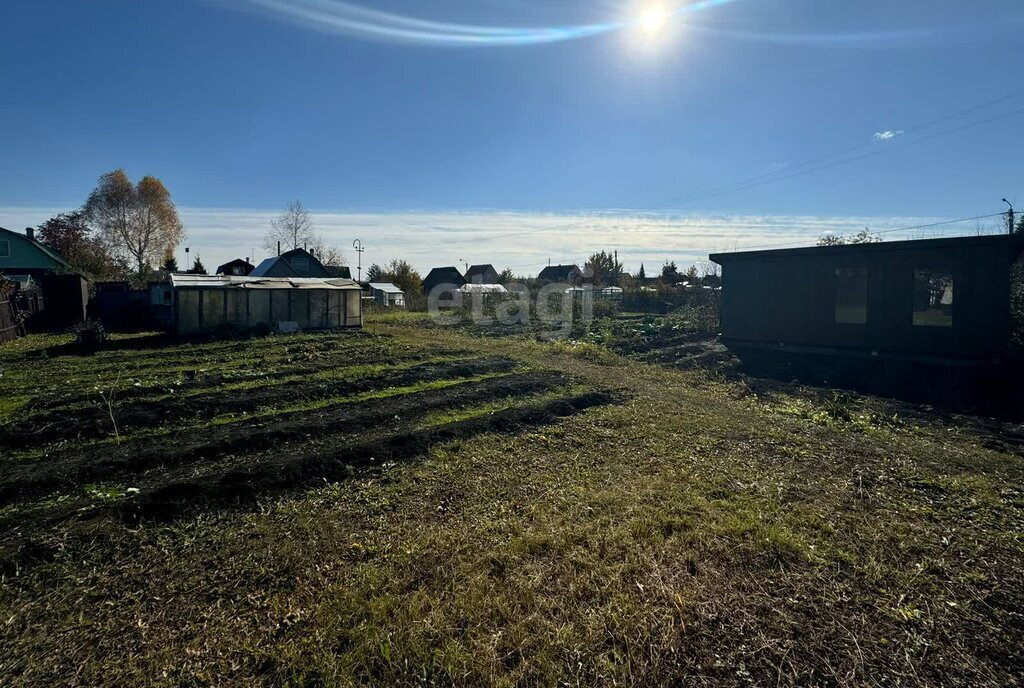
{"points": [[924, 299]]}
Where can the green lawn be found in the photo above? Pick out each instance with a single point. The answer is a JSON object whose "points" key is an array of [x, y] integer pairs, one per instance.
{"points": [[415, 505]]}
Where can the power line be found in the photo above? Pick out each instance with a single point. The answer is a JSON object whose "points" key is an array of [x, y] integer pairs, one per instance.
{"points": [[872, 154], [728, 188], [819, 168], [911, 228]]}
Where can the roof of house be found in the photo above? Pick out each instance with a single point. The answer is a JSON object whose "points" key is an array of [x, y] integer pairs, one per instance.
{"points": [[266, 264], [38, 245], [237, 262], [445, 275], [233, 282], [283, 265], [559, 272], [386, 287], [483, 289], [479, 271], [339, 271], [912, 244]]}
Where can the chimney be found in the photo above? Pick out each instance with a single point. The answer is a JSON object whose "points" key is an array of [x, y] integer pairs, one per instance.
{"points": [[30, 233], [279, 248]]}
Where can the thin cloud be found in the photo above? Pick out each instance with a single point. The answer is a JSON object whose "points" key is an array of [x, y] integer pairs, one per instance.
{"points": [[887, 135], [521, 240]]}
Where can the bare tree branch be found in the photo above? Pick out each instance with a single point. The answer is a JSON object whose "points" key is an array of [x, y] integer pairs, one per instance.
{"points": [[293, 228]]}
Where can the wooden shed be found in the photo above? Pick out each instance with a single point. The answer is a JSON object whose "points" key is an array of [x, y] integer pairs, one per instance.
{"points": [[386, 294], [204, 303], [933, 298]]}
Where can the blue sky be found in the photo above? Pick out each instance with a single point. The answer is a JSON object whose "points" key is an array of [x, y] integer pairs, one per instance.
{"points": [[243, 105]]}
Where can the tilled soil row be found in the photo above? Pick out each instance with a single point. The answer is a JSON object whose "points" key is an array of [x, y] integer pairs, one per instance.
{"points": [[267, 368], [285, 471], [94, 421], [167, 349], [240, 480], [130, 460]]}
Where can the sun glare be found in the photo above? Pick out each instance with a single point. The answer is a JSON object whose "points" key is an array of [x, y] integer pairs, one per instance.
{"points": [[654, 18]]}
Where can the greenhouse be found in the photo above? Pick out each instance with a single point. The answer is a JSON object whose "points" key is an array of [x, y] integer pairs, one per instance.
{"points": [[209, 303]]}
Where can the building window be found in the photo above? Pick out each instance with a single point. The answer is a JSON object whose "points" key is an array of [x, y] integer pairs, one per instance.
{"points": [[852, 296], [5, 249], [299, 264], [933, 298]]}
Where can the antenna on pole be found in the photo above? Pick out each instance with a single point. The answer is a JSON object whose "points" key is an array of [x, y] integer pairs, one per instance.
{"points": [[358, 246]]}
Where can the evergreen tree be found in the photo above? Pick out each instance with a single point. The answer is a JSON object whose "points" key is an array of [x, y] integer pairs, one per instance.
{"points": [[641, 275], [170, 263], [197, 267]]}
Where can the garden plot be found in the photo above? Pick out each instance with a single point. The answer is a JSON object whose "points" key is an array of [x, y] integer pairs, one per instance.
{"points": [[416, 505]]}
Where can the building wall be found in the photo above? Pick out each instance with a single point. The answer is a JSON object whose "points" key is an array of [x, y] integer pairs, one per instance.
{"points": [[208, 309], [791, 299], [388, 298], [25, 257]]}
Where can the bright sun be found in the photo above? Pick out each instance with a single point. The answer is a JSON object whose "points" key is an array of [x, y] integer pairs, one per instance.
{"points": [[654, 18]]}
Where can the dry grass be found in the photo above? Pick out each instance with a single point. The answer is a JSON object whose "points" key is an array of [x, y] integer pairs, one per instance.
{"points": [[693, 534]]}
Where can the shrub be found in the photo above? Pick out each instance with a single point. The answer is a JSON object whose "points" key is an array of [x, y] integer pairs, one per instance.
{"points": [[700, 315], [605, 309], [261, 329], [89, 334]]}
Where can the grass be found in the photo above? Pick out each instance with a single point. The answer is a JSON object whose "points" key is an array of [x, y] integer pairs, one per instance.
{"points": [[693, 533]]}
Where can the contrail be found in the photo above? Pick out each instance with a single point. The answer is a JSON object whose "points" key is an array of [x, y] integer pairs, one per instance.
{"points": [[336, 16]]}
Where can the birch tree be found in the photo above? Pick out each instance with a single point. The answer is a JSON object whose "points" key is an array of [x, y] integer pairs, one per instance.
{"points": [[140, 221], [293, 229]]}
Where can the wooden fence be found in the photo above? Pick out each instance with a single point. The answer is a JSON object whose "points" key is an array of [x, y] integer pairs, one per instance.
{"points": [[16, 309], [10, 325]]}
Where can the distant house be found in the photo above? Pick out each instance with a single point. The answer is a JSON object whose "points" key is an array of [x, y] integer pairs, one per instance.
{"points": [[295, 263], [21, 254], [570, 274], [446, 275], [65, 294], [482, 274], [236, 268], [386, 294], [712, 281]]}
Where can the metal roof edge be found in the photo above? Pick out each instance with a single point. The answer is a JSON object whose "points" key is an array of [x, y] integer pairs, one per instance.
{"points": [[905, 244]]}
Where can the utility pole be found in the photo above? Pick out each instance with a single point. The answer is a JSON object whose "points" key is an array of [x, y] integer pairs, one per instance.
{"points": [[358, 246], [1009, 217]]}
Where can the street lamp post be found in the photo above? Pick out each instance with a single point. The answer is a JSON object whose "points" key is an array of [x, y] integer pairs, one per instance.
{"points": [[1009, 217], [358, 246]]}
